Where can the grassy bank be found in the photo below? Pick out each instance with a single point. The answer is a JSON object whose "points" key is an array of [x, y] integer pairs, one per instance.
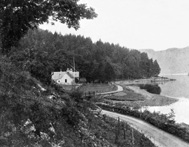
{"points": [[97, 88], [133, 96]]}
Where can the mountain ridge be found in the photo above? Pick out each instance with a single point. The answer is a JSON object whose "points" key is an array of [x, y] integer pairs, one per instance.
{"points": [[171, 60]]}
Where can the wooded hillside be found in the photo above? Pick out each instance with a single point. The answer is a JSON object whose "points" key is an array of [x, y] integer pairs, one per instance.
{"points": [[42, 52]]}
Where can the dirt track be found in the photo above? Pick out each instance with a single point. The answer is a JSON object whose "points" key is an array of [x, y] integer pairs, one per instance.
{"points": [[157, 136]]}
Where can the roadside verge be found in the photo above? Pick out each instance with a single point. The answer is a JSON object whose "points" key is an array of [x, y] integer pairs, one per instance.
{"points": [[157, 136]]}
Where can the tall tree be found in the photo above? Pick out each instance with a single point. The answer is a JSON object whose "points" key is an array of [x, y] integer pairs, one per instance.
{"points": [[41, 52], [18, 16], [156, 68]]}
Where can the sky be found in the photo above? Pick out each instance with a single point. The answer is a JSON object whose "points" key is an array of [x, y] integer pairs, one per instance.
{"points": [[135, 24]]}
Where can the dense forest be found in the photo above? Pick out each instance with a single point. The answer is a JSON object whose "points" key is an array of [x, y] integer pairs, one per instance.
{"points": [[41, 52]]}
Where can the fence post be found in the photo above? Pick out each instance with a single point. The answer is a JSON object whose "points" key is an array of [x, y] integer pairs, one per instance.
{"points": [[117, 131], [133, 137], [124, 131]]}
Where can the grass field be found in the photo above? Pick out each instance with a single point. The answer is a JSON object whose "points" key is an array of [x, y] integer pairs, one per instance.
{"points": [[97, 88], [126, 95]]}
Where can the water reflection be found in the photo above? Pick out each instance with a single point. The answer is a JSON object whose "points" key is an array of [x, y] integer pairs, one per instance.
{"points": [[178, 88], [161, 82], [152, 88]]}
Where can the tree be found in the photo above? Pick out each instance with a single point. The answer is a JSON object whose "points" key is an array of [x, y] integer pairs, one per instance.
{"points": [[109, 72], [18, 16], [41, 52], [156, 68]]}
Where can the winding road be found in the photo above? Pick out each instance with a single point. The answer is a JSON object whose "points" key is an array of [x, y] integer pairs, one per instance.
{"points": [[157, 136]]}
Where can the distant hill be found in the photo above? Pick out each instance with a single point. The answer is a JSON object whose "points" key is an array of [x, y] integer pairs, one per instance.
{"points": [[171, 61]]}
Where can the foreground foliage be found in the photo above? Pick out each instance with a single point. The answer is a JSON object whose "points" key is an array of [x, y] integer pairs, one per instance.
{"points": [[18, 16], [32, 114], [164, 122]]}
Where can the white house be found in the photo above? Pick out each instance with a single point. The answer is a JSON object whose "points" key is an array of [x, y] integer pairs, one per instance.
{"points": [[65, 77]]}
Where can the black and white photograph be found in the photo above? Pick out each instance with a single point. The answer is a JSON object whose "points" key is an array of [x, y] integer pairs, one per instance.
{"points": [[94, 73]]}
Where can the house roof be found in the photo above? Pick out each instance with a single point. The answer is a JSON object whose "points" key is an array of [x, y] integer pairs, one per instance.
{"points": [[59, 75], [69, 72], [71, 76]]}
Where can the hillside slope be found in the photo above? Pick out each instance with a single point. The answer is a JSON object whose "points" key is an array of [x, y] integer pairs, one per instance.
{"points": [[171, 61], [33, 114]]}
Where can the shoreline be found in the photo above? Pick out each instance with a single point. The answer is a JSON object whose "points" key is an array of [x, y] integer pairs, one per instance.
{"points": [[151, 99], [180, 109], [178, 105], [154, 99], [152, 80], [140, 98]]}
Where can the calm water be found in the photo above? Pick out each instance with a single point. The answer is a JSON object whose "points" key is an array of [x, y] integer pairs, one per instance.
{"points": [[178, 88]]}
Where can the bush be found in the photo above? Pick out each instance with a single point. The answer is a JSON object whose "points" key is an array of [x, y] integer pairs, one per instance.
{"points": [[158, 120], [76, 95]]}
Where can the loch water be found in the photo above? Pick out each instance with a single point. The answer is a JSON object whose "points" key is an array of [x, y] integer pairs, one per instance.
{"points": [[176, 89]]}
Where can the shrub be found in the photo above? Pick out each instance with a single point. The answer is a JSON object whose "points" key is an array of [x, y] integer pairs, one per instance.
{"points": [[159, 120]]}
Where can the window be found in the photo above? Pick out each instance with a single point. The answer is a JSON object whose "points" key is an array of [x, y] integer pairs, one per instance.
{"points": [[65, 80]]}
